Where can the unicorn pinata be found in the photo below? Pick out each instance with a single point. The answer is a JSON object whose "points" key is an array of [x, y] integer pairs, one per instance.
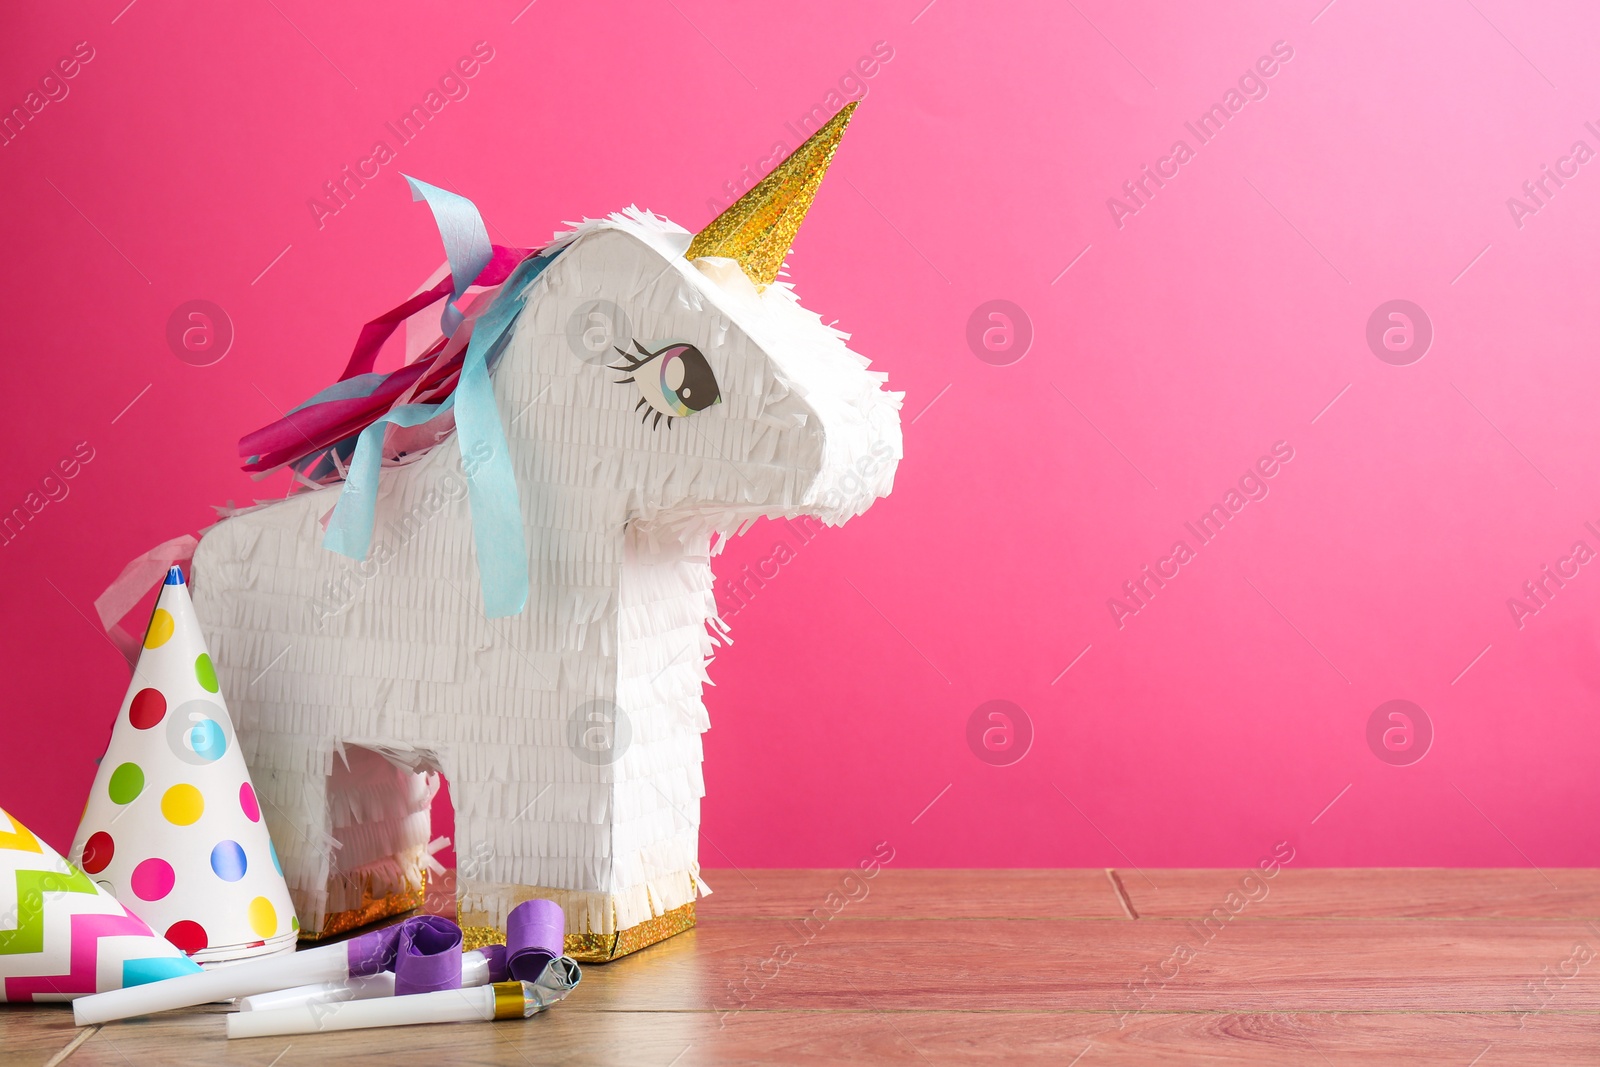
{"points": [[499, 570]]}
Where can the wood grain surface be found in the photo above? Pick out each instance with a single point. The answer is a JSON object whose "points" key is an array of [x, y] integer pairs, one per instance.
{"points": [[1064, 967]]}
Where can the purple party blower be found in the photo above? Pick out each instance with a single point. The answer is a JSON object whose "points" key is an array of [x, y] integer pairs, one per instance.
{"points": [[427, 956], [536, 930]]}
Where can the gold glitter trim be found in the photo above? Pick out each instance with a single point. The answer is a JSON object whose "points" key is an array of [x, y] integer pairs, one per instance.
{"points": [[370, 910], [759, 227], [475, 937], [508, 1000], [599, 948]]}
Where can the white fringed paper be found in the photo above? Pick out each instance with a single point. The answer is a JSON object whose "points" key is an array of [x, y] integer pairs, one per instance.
{"points": [[322, 655], [380, 813]]}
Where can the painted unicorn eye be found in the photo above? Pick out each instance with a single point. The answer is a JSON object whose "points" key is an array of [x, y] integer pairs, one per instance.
{"points": [[673, 381]]}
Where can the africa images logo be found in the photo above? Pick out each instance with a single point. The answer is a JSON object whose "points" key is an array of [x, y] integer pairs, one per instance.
{"points": [[1252, 85], [1139, 591]]}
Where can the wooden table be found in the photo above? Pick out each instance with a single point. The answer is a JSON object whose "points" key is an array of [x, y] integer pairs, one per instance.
{"points": [[1065, 967]]}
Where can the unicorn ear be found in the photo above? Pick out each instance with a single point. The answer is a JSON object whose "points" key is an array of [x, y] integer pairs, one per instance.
{"points": [[758, 228]]}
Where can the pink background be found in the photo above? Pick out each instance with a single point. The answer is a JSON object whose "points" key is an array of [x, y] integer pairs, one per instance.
{"points": [[1222, 317]]}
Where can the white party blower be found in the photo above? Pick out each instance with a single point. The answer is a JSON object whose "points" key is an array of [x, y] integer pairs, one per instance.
{"points": [[503, 1000], [476, 969], [364, 988], [369, 954]]}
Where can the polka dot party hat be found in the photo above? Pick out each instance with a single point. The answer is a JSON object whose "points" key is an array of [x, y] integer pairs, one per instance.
{"points": [[173, 828], [62, 936]]}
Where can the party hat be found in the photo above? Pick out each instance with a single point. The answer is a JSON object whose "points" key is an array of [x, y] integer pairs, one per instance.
{"points": [[62, 936], [758, 228], [173, 827]]}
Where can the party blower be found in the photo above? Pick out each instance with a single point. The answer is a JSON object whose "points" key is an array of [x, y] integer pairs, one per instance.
{"points": [[484, 966], [503, 1000], [423, 952]]}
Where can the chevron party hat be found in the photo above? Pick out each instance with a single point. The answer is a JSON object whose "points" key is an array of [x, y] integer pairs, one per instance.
{"points": [[173, 827], [62, 936]]}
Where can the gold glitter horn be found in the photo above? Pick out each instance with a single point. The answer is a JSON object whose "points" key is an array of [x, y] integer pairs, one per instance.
{"points": [[758, 228]]}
